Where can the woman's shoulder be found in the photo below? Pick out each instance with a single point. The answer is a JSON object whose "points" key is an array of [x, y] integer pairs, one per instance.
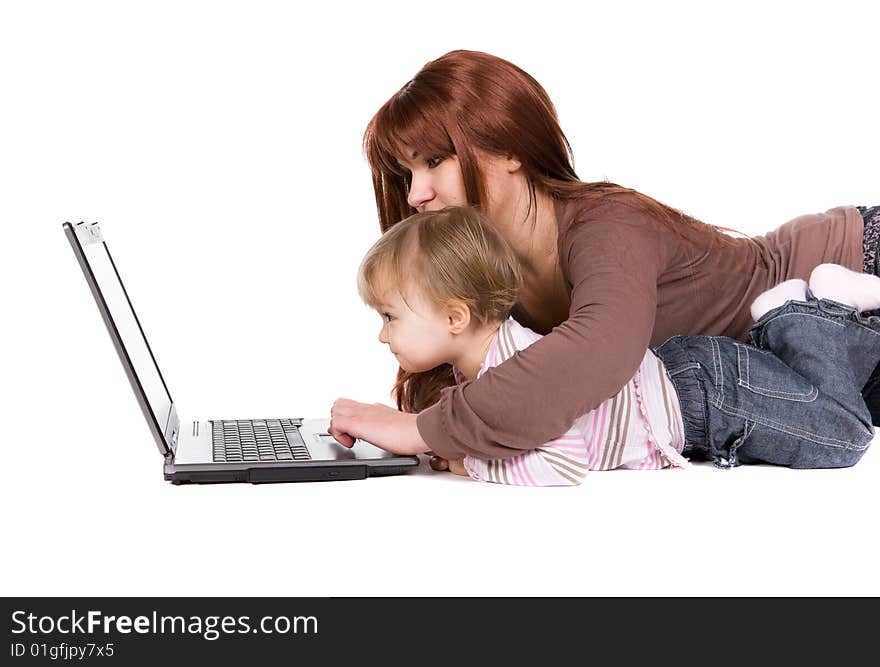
{"points": [[605, 213], [612, 233], [611, 222]]}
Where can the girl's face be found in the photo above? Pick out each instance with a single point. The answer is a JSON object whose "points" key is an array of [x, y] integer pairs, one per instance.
{"points": [[417, 334]]}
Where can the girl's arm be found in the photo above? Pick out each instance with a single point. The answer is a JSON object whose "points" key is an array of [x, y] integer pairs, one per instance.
{"points": [[561, 462]]}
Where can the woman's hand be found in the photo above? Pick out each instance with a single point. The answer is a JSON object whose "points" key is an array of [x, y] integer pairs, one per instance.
{"points": [[387, 428]]}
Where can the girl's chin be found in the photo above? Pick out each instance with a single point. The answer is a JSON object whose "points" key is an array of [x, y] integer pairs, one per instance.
{"points": [[409, 368]]}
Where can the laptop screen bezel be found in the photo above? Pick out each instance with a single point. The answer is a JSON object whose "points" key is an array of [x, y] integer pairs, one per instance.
{"points": [[165, 434]]}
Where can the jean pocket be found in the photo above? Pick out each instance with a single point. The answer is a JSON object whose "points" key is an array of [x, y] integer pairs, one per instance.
{"points": [[763, 373]]}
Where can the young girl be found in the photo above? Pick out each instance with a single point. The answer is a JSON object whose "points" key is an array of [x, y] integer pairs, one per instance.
{"points": [[444, 283]]}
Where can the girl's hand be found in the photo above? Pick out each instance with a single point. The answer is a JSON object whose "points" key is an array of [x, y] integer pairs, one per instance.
{"points": [[454, 466], [387, 428]]}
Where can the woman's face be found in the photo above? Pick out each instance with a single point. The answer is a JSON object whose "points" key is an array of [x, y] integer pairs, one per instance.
{"points": [[435, 182]]}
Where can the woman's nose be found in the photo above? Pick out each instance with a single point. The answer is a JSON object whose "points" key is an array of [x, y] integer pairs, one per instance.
{"points": [[420, 191]]}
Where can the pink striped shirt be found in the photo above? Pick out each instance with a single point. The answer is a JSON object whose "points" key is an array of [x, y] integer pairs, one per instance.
{"points": [[639, 428]]}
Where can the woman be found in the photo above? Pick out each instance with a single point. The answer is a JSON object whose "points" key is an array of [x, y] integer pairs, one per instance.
{"points": [[607, 271]]}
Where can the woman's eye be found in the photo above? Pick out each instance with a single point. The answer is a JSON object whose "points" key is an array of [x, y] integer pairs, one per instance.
{"points": [[434, 161]]}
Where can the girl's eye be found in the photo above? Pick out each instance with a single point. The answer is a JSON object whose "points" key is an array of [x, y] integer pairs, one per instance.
{"points": [[387, 317], [434, 162]]}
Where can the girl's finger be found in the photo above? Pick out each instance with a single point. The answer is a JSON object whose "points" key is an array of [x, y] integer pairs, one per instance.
{"points": [[439, 463]]}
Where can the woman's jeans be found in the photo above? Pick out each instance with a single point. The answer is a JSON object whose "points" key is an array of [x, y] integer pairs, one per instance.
{"points": [[792, 397]]}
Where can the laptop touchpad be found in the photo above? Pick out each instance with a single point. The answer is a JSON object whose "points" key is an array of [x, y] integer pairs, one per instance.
{"points": [[325, 447]]}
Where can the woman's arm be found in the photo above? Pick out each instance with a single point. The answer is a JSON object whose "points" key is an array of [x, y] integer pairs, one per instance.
{"points": [[540, 391]]}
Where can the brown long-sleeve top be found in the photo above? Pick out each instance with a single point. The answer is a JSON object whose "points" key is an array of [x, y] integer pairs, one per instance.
{"points": [[632, 283]]}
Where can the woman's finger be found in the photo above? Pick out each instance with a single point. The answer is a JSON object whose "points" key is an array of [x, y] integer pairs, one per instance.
{"points": [[343, 439], [339, 411], [339, 434]]}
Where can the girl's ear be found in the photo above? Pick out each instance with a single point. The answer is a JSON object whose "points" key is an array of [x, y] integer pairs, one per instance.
{"points": [[458, 317]]}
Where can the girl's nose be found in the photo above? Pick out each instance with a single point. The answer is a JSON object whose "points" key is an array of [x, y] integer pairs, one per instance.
{"points": [[382, 337], [420, 192]]}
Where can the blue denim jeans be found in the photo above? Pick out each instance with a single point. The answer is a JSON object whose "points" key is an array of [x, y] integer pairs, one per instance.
{"points": [[790, 397]]}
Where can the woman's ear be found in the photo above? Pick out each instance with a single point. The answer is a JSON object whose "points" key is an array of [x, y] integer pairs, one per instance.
{"points": [[513, 164], [458, 317]]}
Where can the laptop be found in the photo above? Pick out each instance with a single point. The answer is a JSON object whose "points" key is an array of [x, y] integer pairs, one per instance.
{"points": [[289, 449]]}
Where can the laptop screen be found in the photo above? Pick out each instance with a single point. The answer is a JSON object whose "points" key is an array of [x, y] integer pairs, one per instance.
{"points": [[125, 328]]}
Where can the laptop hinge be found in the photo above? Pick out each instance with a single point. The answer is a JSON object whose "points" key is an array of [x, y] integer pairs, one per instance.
{"points": [[172, 430]]}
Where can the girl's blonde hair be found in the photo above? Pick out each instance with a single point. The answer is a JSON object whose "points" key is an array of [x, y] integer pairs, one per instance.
{"points": [[443, 256]]}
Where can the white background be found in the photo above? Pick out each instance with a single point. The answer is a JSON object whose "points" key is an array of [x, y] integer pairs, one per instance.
{"points": [[219, 146]]}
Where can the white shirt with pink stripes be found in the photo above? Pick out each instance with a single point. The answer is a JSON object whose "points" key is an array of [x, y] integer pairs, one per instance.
{"points": [[639, 428]]}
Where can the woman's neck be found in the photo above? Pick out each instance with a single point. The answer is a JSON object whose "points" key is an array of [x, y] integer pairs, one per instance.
{"points": [[544, 297], [533, 235]]}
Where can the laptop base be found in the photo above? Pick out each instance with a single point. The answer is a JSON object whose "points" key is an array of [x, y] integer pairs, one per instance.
{"points": [[317, 473]]}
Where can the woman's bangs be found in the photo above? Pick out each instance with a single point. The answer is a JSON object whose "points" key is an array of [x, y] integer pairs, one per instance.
{"points": [[403, 123]]}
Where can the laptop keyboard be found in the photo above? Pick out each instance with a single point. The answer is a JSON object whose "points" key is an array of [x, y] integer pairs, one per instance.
{"points": [[258, 440]]}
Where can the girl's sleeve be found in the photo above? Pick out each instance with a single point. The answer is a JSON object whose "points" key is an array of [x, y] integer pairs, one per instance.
{"points": [[539, 392]]}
